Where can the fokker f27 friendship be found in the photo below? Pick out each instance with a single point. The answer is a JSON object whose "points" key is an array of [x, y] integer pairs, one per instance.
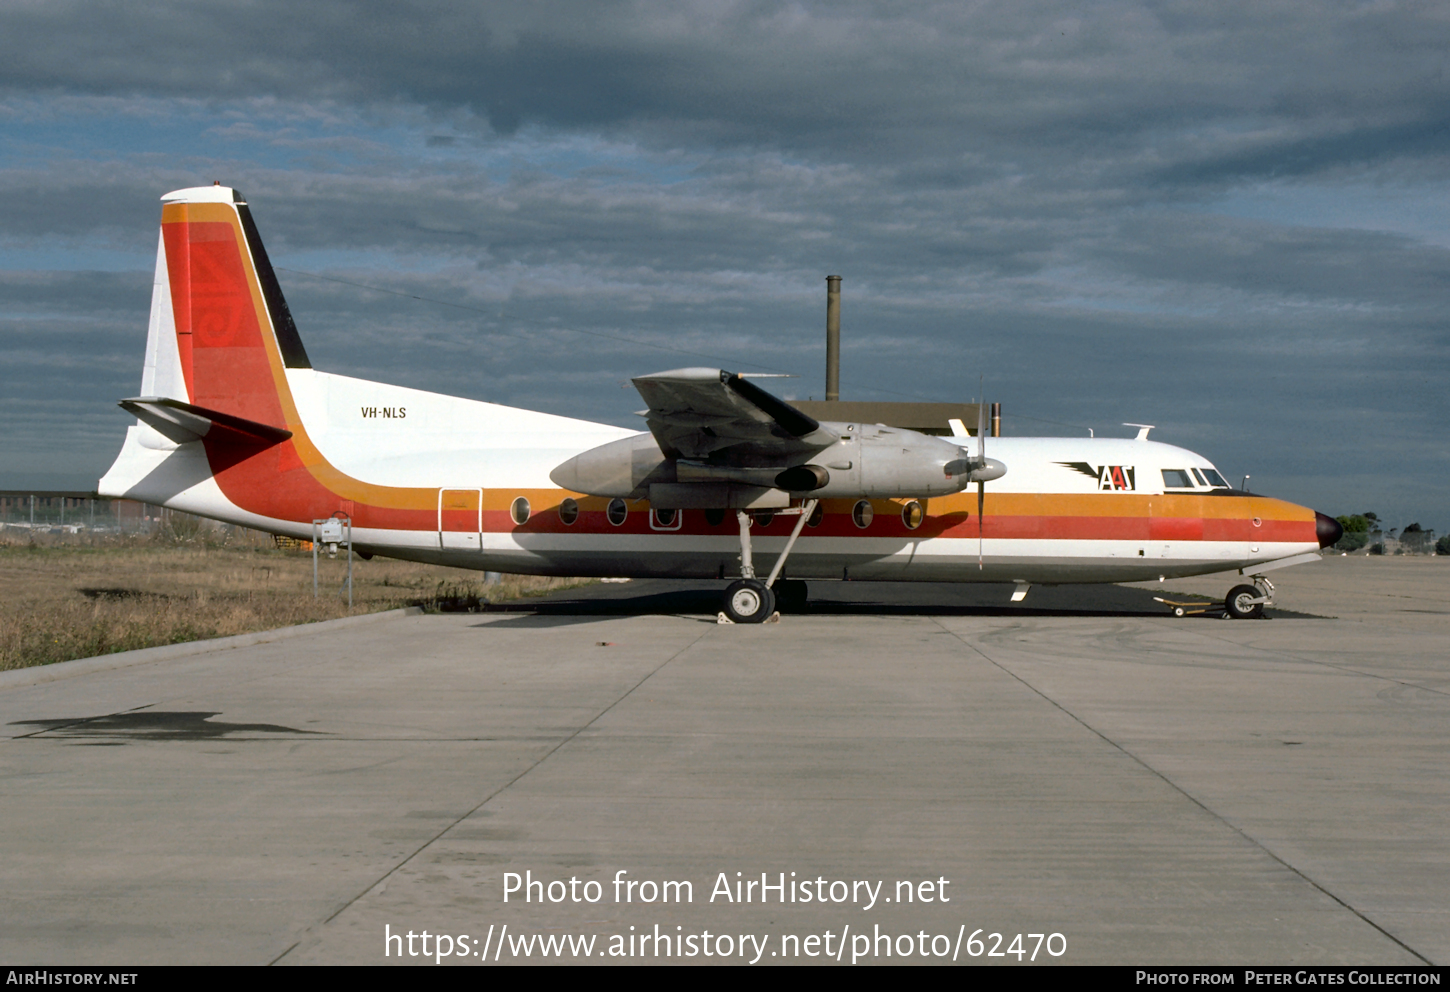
{"points": [[233, 423]]}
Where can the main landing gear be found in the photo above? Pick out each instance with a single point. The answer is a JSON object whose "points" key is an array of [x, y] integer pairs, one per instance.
{"points": [[749, 600]]}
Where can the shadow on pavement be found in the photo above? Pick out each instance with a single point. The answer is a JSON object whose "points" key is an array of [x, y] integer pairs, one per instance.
{"points": [[150, 725], [645, 597]]}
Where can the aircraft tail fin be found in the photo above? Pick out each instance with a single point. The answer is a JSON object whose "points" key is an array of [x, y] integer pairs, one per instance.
{"points": [[221, 336]]}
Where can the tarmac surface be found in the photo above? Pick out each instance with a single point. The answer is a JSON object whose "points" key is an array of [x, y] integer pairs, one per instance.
{"points": [[1154, 790]]}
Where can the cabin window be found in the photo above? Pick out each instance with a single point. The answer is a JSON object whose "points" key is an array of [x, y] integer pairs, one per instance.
{"points": [[664, 519], [1214, 479], [763, 517], [1176, 478], [861, 513], [569, 511], [617, 511], [714, 517], [817, 515], [520, 511], [912, 515]]}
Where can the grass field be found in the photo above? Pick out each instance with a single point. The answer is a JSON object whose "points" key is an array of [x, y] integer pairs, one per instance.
{"points": [[75, 597]]}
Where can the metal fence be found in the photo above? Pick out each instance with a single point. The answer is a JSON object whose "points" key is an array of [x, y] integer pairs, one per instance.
{"points": [[60, 513], [1391, 542]]}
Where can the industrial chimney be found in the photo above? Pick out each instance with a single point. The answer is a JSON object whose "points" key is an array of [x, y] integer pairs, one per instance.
{"points": [[833, 338]]}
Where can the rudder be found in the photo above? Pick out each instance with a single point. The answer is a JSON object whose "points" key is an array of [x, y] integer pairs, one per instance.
{"points": [[221, 335]]}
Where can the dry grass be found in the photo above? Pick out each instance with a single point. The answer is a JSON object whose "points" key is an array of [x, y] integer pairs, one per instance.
{"points": [[78, 597]]}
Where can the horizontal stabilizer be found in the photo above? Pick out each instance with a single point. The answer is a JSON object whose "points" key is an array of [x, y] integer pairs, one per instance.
{"points": [[183, 422]]}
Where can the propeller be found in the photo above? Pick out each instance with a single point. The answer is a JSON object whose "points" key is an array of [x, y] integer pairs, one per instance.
{"points": [[981, 482], [979, 469]]}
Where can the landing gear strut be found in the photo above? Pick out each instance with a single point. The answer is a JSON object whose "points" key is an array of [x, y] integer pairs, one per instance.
{"points": [[750, 600]]}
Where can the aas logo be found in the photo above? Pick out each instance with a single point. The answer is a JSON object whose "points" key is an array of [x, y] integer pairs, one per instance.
{"points": [[1111, 478]]}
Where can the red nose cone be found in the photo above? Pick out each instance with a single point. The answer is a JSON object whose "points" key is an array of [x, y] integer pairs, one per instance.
{"points": [[1328, 530]]}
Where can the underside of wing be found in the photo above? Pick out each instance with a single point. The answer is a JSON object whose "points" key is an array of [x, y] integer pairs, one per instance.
{"points": [[694, 413]]}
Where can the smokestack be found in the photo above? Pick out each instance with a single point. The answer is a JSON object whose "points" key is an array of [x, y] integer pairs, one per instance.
{"points": [[996, 419], [833, 337]]}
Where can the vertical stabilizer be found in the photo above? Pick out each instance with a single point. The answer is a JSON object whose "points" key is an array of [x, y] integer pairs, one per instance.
{"points": [[221, 335]]}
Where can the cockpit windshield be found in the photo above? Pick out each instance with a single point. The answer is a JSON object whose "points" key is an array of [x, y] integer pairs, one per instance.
{"points": [[1192, 478]]}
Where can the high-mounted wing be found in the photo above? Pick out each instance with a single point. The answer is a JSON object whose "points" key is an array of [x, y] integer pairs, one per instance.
{"points": [[694, 412]]}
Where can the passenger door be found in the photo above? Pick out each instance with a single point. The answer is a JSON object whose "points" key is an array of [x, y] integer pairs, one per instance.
{"points": [[460, 519]]}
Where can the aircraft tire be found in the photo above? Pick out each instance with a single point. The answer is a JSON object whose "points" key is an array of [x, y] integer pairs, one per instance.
{"points": [[790, 595], [749, 601], [1240, 605]]}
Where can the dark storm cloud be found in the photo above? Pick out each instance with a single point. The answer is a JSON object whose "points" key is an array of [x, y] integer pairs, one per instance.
{"points": [[1296, 83], [96, 295], [1255, 257]]}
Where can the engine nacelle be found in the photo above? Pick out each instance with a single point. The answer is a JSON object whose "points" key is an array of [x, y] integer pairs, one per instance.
{"points": [[875, 462], [623, 468], [867, 462]]}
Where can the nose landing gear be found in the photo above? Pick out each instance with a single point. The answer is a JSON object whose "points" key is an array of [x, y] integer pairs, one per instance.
{"points": [[1243, 602], [1247, 602]]}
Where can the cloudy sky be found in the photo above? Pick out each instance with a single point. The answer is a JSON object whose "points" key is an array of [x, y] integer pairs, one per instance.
{"points": [[1231, 220]]}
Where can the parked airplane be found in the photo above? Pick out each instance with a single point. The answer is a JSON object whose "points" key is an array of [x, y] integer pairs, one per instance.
{"points": [[233, 423]]}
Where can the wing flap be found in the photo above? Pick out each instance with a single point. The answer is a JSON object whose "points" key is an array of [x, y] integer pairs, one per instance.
{"points": [[694, 412]]}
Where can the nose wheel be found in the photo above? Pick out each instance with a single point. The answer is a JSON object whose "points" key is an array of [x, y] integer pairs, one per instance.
{"points": [[1245, 603]]}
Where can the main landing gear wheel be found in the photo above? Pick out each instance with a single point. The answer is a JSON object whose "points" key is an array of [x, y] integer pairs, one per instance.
{"points": [[1244, 603], [749, 601]]}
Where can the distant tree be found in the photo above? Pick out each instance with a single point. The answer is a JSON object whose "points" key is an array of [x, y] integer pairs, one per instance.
{"points": [[1416, 539], [1442, 546], [1356, 532], [1369, 516]]}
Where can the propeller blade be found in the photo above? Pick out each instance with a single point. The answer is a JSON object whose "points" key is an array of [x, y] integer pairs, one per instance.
{"points": [[981, 501], [981, 463], [981, 432]]}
